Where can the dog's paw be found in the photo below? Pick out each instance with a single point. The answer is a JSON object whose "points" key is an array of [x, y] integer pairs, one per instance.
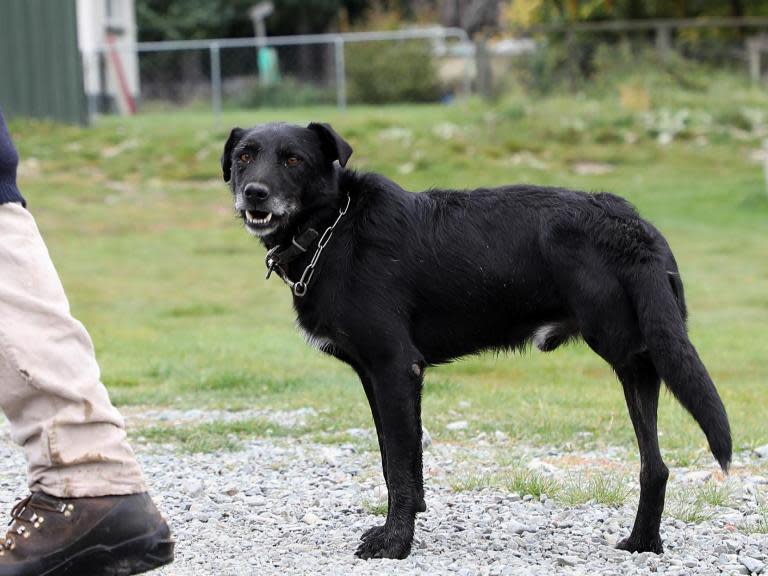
{"points": [[371, 532], [382, 542], [638, 545]]}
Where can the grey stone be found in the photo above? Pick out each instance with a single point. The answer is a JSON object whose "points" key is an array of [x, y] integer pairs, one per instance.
{"points": [[500, 436], [762, 451], [426, 438], [193, 487], [515, 527], [698, 475], [458, 425], [298, 509], [568, 561], [753, 565]]}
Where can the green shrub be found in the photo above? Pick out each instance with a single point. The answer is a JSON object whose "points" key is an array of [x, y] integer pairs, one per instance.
{"points": [[643, 65], [382, 72], [599, 65], [287, 93], [557, 64]]}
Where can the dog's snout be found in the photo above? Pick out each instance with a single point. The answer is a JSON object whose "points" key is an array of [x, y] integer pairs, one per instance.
{"points": [[254, 191]]}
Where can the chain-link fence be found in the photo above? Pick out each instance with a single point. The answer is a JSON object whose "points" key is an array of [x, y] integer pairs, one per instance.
{"points": [[373, 67], [417, 65]]}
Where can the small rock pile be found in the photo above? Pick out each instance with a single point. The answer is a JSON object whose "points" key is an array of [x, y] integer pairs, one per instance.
{"points": [[291, 507]]}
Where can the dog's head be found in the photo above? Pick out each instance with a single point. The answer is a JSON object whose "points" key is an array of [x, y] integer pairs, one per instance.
{"points": [[277, 171]]}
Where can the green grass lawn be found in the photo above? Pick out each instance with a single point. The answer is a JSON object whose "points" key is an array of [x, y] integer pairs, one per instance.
{"points": [[141, 228]]}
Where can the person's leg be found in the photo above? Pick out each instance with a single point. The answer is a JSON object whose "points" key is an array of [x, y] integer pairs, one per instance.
{"points": [[89, 512], [50, 386]]}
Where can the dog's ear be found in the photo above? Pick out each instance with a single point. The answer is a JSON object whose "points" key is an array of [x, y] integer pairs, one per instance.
{"points": [[334, 146], [226, 158]]}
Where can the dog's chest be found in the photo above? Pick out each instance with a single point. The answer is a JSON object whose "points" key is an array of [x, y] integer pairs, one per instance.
{"points": [[316, 339], [317, 319]]}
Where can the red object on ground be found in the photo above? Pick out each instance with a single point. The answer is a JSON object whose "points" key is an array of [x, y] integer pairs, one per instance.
{"points": [[130, 102]]}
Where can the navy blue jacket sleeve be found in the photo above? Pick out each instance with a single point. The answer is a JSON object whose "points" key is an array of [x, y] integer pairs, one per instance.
{"points": [[9, 161]]}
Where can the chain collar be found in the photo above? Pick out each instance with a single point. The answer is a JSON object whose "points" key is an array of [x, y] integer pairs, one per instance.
{"points": [[275, 263]]}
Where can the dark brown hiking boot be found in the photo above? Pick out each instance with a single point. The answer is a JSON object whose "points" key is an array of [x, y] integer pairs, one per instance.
{"points": [[108, 536]]}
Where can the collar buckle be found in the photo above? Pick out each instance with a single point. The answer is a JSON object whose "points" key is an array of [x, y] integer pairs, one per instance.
{"points": [[271, 262]]}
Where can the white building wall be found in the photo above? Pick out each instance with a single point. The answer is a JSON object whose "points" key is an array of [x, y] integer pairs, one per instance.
{"points": [[97, 20]]}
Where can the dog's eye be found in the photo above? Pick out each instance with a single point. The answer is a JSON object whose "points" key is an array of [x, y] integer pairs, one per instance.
{"points": [[246, 158], [292, 161]]}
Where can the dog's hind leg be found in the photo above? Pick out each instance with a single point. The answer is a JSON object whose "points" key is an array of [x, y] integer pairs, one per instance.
{"points": [[418, 470], [608, 323], [641, 389]]}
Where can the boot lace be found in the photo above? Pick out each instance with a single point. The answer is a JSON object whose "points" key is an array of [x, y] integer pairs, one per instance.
{"points": [[29, 513], [9, 542]]}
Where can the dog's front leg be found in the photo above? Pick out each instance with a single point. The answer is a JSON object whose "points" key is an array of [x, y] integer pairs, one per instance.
{"points": [[421, 506], [370, 394], [397, 390]]}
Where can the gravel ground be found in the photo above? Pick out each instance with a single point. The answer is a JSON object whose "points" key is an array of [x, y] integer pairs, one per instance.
{"points": [[290, 506]]}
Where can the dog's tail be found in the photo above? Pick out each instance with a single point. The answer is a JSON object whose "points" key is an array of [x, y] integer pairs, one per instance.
{"points": [[660, 306]]}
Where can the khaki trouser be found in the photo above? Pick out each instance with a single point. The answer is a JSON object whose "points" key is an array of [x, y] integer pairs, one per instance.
{"points": [[50, 387]]}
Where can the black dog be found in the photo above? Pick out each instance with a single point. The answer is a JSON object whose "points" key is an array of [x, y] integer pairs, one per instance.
{"points": [[391, 282]]}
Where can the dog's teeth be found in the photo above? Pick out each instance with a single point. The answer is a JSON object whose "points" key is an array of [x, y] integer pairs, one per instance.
{"points": [[251, 220]]}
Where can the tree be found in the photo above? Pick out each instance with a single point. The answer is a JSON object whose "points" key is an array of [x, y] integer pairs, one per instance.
{"points": [[475, 16], [194, 19], [526, 12]]}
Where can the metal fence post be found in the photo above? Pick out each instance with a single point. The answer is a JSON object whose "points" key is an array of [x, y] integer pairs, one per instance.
{"points": [[341, 73], [663, 41], [467, 73], [765, 164], [215, 51], [753, 57]]}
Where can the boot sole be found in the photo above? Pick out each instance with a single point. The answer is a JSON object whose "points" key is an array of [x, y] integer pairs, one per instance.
{"points": [[135, 556]]}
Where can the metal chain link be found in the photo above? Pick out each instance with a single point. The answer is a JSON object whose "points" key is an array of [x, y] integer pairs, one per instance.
{"points": [[300, 287]]}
